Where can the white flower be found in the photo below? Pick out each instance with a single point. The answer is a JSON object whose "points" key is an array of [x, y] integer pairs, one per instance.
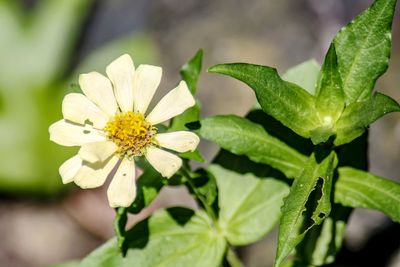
{"points": [[110, 123]]}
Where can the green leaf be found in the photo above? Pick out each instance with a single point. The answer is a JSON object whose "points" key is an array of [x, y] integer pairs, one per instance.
{"points": [[205, 185], [173, 237], [242, 137], [233, 259], [360, 189], [357, 116], [363, 49], [119, 226], [290, 104], [190, 74], [304, 75], [308, 203], [193, 155], [191, 70], [249, 205], [149, 184], [321, 243], [330, 95], [280, 131], [329, 98]]}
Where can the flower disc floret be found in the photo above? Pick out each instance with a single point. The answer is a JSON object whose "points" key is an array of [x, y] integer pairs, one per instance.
{"points": [[131, 133]]}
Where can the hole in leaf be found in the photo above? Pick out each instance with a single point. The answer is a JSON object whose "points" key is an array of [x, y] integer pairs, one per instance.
{"points": [[312, 204]]}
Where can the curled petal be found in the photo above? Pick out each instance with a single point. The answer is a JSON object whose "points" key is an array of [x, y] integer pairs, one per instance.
{"points": [[94, 175], [69, 169], [97, 151], [180, 141], [172, 104], [164, 162]]}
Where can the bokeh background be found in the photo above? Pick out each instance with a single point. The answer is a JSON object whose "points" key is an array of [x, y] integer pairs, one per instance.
{"points": [[45, 44]]}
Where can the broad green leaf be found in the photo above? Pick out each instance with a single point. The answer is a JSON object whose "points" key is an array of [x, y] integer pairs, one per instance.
{"points": [[322, 242], [280, 131], [249, 205], [304, 75], [174, 237], [357, 116], [191, 70], [290, 104], [308, 202], [330, 95], [360, 189], [243, 137], [363, 49]]}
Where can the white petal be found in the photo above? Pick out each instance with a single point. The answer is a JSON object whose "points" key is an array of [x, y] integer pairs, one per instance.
{"points": [[172, 104], [181, 141], [94, 175], [99, 90], [69, 134], [121, 72], [147, 78], [164, 162], [122, 189], [78, 108], [97, 151], [69, 169]]}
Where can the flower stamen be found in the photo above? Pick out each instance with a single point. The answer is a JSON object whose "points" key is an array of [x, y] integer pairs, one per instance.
{"points": [[131, 133]]}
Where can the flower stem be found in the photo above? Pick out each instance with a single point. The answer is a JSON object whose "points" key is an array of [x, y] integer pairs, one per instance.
{"points": [[199, 197]]}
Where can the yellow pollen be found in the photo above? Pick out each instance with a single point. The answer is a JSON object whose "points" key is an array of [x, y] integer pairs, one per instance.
{"points": [[131, 132]]}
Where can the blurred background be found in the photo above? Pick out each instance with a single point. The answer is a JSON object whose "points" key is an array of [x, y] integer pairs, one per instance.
{"points": [[45, 44]]}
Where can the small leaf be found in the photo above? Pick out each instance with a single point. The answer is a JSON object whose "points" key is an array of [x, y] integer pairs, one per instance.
{"points": [[193, 155], [249, 205], [119, 226], [304, 75], [205, 185], [308, 202], [171, 238], [357, 116], [360, 189], [242, 137], [290, 104], [191, 70], [148, 186], [330, 95], [363, 50]]}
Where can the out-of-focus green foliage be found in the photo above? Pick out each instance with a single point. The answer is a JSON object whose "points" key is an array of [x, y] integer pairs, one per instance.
{"points": [[36, 49]]}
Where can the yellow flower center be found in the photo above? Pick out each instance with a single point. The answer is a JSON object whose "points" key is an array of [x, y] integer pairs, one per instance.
{"points": [[131, 132]]}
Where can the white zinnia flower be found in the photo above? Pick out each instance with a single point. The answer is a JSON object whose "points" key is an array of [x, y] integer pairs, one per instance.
{"points": [[110, 123]]}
